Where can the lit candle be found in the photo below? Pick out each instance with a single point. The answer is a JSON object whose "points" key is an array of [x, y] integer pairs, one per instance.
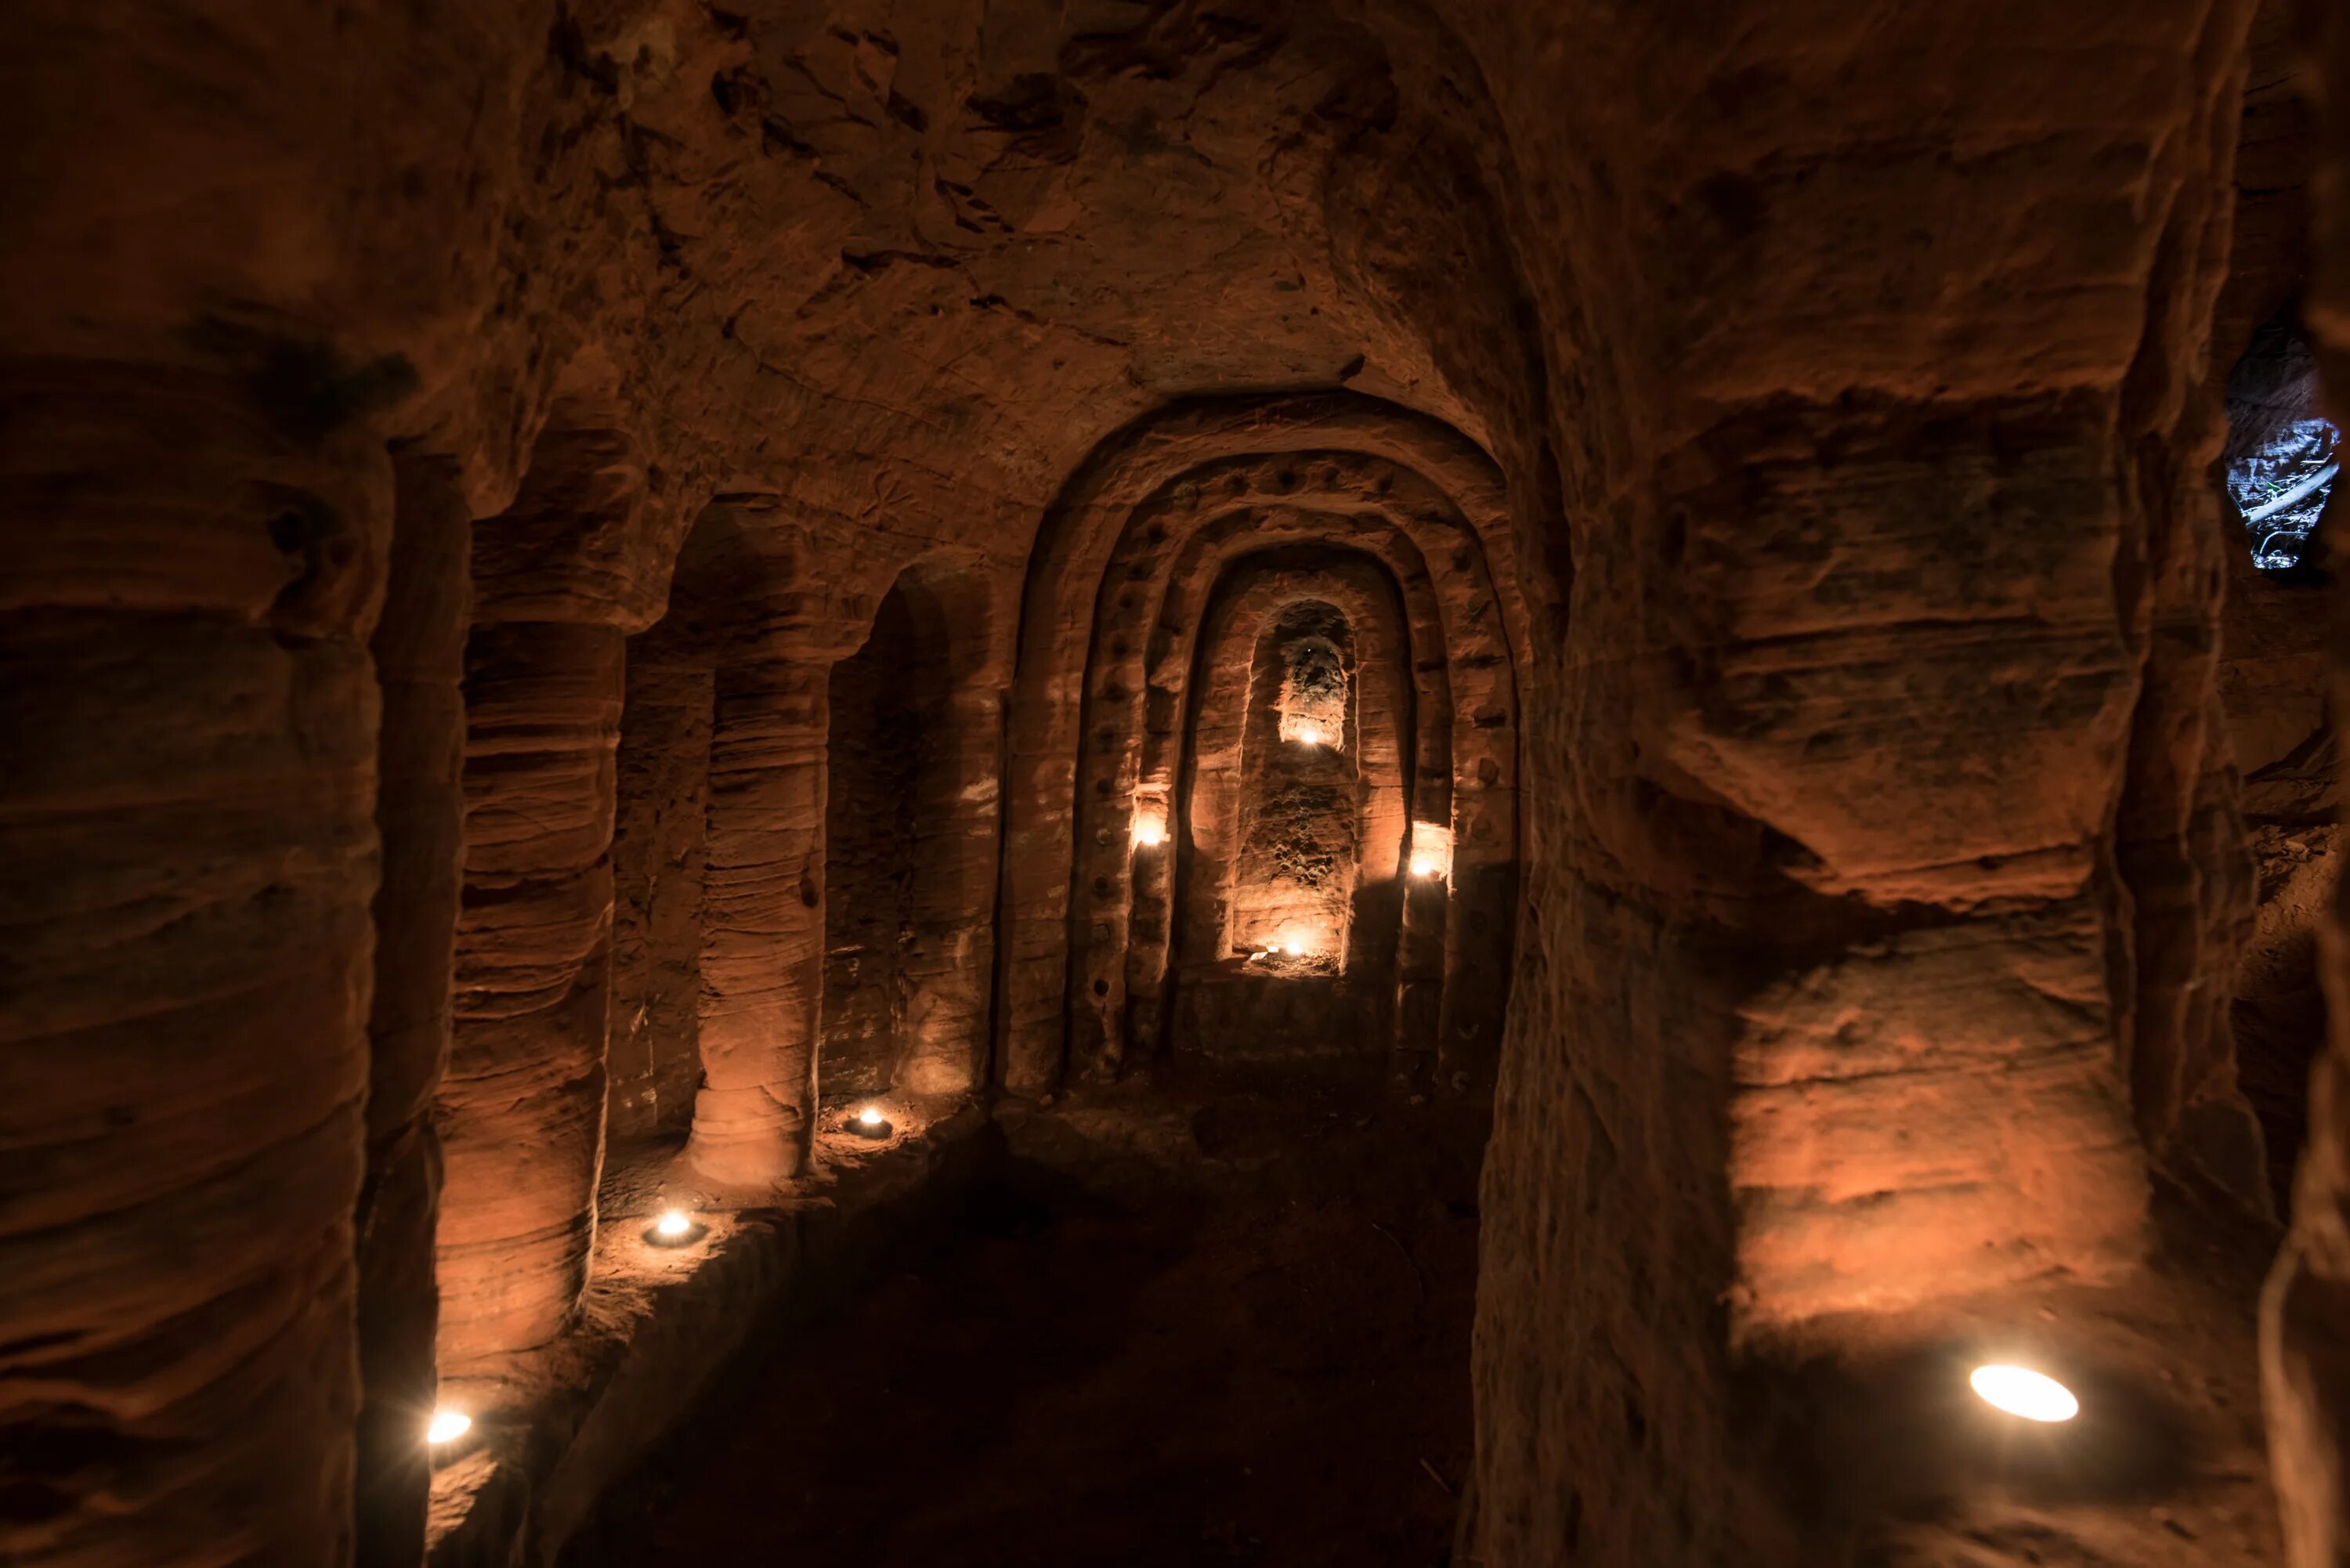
{"points": [[1150, 830], [675, 1227], [870, 1123], [448, 1426]]}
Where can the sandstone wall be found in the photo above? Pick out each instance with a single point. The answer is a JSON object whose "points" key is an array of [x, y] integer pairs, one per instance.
{"points": [[1875, 757], [1801, 416], [2306, 1373]]}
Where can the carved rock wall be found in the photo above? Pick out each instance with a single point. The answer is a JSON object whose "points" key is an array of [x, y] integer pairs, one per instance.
{"points": [[1831, 760], [188, 822], [660, 847], [419, 651], [2305, 1368], [1807, 418]]}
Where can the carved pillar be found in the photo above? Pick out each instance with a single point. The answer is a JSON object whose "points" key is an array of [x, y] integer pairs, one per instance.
{"points": [[187, 852], [762, 920], [419, 650], [558, 578], [522, 1108]]}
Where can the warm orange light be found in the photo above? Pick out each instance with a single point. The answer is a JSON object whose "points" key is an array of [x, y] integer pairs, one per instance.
{"points": [[2020, 1391], [673, 1223], [1149, 829], [448, 1426], [1432, 850], [870, 1116]]}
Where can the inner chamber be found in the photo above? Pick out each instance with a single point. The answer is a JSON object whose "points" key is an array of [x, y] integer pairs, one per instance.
{"points": [[1295, 792]]}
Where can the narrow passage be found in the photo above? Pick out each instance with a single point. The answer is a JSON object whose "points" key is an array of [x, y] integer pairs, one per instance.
{"points": [[1245, 1343]]}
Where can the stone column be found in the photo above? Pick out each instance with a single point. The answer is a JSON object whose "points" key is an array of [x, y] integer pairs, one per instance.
{"points": [[762, 920], [522, 1107], [187, 853], [419, 650]]}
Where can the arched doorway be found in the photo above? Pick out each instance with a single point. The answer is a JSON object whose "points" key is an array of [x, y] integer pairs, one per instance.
{"points": [[909, 834]]}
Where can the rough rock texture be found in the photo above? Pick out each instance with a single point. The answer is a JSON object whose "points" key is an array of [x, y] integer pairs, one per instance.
{"points": [[521, 1110], [762, 920], [1870, 540], [659, 845], [556, 585], [2305, 1364], [917, 727], [187, 823], [1791, 423], [1136, 539], [419, 651]]}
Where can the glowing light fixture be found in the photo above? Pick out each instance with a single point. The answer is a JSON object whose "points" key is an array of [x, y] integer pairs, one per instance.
{"points": [[2020, 1391], [1149, 828], [869, 1122], [673, 1223], [1432, 850], [675, 1227], [1309, 736], [448, 1426]]}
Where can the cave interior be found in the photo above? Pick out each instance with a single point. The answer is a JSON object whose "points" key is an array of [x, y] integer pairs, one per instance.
{"points": [[1330, 783]]}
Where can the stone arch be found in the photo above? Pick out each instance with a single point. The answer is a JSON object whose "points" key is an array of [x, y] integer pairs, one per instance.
{"points": [[1103, 553], [1193, 974], [928, 659]]}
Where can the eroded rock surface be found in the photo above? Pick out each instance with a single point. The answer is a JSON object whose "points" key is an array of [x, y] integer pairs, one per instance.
{"points": [[1763, 457]]}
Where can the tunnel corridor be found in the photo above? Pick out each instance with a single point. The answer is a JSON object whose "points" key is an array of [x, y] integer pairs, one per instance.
{"points": [[1328, 784]]}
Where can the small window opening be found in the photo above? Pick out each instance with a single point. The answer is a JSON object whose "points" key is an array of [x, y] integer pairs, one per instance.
{"points": [[1313, 701], [2283, 455]]}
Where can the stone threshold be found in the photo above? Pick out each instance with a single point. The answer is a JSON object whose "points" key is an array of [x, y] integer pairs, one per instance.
{"points": [[554, 1430]]}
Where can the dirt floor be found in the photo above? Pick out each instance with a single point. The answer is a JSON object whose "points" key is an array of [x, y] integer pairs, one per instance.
{"points": [[1171, 1329]]}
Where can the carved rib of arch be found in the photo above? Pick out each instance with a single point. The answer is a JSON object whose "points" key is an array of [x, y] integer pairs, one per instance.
{"points": [[1138, 740], [1471, 777], [1071, 578], [1426, 777]]}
